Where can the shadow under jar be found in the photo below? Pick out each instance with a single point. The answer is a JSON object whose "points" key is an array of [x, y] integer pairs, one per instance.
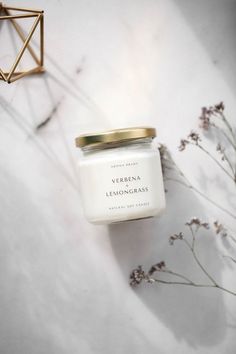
{"points": [[120, 175]]}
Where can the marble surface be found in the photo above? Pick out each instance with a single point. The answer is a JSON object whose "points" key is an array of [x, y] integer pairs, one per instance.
{"points": [[64, 283]]}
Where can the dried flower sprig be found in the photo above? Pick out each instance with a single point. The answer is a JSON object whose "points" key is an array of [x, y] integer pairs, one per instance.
{"points": [[211, 117], [138, 275], [175, 237], [208, 119], [208, 113], [194, 139], [197, 223]]}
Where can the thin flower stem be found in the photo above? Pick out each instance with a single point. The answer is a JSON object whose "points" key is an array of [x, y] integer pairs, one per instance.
{"points": [[193, 237], [215, 160], [228, 125], [231, 258], [190, 186], [182, 283], [230, 164], [215, 286], [174, 273], [199, 263], [225, 135]]}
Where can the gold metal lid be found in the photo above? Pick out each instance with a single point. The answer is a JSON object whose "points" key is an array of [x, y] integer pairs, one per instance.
{"points": [[114, 136]]}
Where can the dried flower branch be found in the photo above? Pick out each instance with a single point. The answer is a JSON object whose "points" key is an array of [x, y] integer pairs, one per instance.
{"points": [[197, 222], [138, 275], [211, 118], [208, 113], [207, 120], [183, 144], [194, 139]]}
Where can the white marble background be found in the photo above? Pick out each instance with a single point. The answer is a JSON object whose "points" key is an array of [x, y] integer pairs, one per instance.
{"points": [[63, 282]]}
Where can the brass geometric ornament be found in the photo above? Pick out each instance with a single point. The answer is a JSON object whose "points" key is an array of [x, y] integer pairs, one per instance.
{"points": [[12, 14]]}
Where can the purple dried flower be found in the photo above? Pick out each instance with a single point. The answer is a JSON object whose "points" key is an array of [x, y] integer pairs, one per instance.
{"points": [[198, 223], [156, 267], [219, 107], [183, 144], [208, 113], [137, 276], [194, 137], [175, 237]]}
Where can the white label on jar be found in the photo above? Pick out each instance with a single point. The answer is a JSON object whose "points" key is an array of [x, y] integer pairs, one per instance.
{"points": [[129, 186]]}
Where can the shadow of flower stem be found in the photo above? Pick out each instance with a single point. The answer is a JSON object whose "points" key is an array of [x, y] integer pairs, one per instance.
{"points": [[172, 172]]}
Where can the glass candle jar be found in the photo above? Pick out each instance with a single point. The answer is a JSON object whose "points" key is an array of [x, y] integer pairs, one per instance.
{"points": [[120, 175]]}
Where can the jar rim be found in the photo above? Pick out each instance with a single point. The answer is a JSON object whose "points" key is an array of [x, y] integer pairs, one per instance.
{"points": [[114, 136]]}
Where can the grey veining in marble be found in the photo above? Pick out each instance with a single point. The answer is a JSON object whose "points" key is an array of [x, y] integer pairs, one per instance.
{"points": [[64, 283]]}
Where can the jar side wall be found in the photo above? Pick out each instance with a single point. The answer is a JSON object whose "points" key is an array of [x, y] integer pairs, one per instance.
{"points": [[122, 186]]}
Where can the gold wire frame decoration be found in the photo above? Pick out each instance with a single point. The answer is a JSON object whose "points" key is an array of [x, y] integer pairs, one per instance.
{"points": [[6, 13]]}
